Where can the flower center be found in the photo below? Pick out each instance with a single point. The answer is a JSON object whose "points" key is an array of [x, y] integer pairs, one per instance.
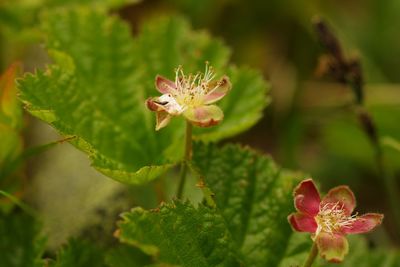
{"points": [[191, 89], [332, 218]]}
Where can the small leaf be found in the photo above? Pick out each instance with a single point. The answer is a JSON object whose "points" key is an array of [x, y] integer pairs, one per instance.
{"points": [[179, 234], [254, 196]]}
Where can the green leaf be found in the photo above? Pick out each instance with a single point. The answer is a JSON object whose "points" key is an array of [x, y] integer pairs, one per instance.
{"points": [[90, 92], [179, 234], [243, 106], [20, 22], [20, 242], [79, 253], [254, 197], [101, 77]]}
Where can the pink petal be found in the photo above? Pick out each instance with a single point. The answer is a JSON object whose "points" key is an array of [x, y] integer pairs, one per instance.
{"points": [[364, 223], [342, 195], [302, 222], [166, 103], [332, 247], [162, 119], [153, 105], [218, 90], [164, 85], [204, 116], [306, 198]]}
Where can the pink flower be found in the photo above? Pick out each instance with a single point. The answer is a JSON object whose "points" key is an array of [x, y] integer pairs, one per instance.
{"points": [[330, 219], [190, 96]]}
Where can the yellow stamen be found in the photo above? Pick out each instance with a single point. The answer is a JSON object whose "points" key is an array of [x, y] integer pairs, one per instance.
{"points": [[191, 89], [332, 218]]}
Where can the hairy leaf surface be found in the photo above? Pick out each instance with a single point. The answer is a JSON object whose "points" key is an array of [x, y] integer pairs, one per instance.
{"points": [[254, 196], [179, 234], [101, 76]]}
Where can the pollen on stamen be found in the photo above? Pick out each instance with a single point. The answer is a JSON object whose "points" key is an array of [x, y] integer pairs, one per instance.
{"points": [[332, 218], [191, 88]]}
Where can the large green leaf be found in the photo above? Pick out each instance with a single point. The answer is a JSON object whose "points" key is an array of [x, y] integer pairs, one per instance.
{"points": [[20, 242], [101, 76], [253, 199], [177, 233], [253, 195]]}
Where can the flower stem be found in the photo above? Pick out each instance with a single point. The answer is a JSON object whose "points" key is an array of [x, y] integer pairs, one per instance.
{"points": [[311, 256], [208, 195], [187, 156]]}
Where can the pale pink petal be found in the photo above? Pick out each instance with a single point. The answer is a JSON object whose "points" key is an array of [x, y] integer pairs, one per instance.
{"points": [[165, 103], [343, 196], [154, 105], [162, 119], [306, 197], [164, 85], [363, 224], [217, 90], [204, 116], [332, 247], [302, 222]]}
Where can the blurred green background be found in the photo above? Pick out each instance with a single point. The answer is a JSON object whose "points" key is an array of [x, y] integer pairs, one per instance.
{"points": [[308, 126]]}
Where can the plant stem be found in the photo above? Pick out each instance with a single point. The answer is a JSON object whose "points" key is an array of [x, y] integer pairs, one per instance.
{"points": [[159, 188], [311, 256], [370, 130], [187, 156], [32, 212], [208, 195]]}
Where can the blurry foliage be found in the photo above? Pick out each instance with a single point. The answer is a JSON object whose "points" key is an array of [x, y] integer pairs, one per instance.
{"points": [[19, 21], [21, 244], [79, 253], [11, 142]]}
